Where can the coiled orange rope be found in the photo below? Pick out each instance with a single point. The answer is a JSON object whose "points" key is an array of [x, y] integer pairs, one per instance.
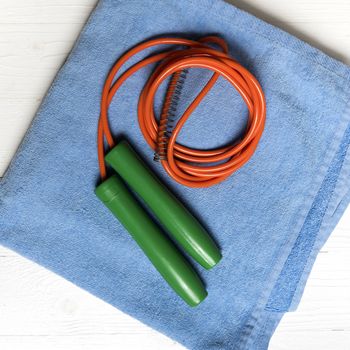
{"points": [[188, 166]]}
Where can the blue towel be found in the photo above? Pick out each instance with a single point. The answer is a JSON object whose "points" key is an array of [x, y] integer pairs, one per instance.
{"points": [[270, 218]]}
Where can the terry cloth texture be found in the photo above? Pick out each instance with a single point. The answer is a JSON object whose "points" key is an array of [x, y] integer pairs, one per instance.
{"points": [[270, 218]]}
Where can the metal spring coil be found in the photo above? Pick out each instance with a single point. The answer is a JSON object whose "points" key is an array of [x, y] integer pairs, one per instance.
{"points": [[168, 114]]}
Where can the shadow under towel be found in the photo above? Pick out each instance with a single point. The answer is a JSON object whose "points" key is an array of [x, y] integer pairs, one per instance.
{"points": [[270, 218]]}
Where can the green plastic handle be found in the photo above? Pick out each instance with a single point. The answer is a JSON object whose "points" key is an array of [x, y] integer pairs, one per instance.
{"points": [[163, 254], [177, 220]]}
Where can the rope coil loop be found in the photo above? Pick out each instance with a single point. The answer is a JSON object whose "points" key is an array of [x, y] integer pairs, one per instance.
{"points": [[187, 166]]}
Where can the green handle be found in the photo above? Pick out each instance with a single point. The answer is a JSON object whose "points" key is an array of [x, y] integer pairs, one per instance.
{"points": [[178, 221], [166, 258]]}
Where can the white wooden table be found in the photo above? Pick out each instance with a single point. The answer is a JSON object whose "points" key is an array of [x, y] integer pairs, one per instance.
{"points": [[39, 310]]}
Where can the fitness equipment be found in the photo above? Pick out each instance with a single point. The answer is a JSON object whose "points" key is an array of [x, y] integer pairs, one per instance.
{"points": [[177, 160]]}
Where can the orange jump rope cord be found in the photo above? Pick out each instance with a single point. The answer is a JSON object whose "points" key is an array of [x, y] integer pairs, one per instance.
{"points": [[187, 166]]}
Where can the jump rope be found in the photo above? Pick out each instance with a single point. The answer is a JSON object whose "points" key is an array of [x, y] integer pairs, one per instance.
{"points": [[187, 166]]}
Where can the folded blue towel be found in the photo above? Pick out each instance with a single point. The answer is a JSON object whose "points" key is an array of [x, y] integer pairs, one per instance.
{"points": [[270, 218]]}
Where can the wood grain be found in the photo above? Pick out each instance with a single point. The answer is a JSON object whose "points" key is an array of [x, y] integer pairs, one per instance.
{"points": [[40, 310]]}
